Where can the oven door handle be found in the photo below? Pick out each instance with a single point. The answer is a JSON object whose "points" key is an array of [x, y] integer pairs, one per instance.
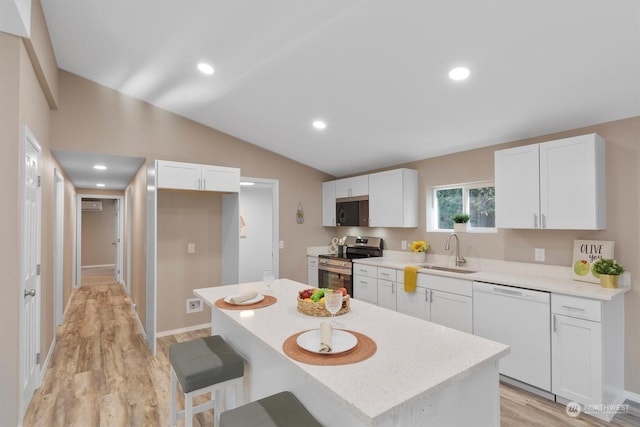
{"points": [[332, 269]]}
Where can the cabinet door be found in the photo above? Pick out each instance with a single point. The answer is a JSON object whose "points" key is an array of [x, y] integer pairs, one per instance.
{"points": [[572, 183], [219, 178], [352, 187], [387, 294], [393, 198], [329, 204], [454, 311], [312, 271], [517, 187], [576, 359], [178, 175], [413, 303], [365, 288]]}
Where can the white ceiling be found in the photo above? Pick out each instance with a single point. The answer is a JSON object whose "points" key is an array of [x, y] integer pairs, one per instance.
{"points": [[79, 168], [374, 70]]}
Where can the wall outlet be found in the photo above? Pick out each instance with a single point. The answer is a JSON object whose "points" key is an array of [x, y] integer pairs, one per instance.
{"points": [[403, 245], [191, 248], [539, 254], [281, 244], [194, 305]]}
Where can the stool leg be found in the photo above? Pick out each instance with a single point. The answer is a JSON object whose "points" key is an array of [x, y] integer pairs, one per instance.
{"points": [[174, 398], [188, 410]]}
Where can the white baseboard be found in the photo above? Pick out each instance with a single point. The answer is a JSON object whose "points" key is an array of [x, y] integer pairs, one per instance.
{"points": [[181, 330], [634, 397], [88, 267], [45, 365], [140, 325]]}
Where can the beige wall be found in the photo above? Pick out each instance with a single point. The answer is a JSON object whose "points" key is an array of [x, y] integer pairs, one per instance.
{"points": [[98, 233], [623, 201], [186, 217], [138, 241], [10, 47]]}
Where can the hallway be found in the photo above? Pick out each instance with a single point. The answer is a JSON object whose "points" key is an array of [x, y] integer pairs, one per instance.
{"points": [[101, 372]]}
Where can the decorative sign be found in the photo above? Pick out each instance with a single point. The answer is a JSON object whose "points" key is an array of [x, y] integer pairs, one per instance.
{"points": [[585, 253]]}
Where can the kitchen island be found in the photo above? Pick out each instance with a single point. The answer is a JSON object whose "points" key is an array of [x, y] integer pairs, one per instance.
{"points": [[421, 373]]}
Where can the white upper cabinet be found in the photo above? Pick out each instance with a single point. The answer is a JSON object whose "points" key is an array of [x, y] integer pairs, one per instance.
{"points": [[355, 186], [553, 185], [393, 198], [190, 176], [329, 203]]}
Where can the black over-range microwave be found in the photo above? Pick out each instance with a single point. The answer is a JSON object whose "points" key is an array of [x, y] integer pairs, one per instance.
{"points": [[352, 212]]}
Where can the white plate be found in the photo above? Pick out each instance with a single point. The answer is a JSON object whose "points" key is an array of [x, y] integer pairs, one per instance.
{"points": [[253, 300], [341, 341]]}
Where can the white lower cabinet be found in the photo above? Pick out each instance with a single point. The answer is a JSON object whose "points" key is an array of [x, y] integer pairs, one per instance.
{"points": [[312, 271], [587, 343], [387, 287], [451, 307], [365, 282], [452, 310]]}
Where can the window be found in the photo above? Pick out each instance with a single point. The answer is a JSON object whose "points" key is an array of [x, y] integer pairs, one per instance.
{"points": [[476, 199]]}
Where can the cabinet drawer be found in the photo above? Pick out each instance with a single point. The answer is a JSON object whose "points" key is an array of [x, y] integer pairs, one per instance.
{"points": [[365, 270], [445, 284], [387, 273], [365, 288], [580, 308]]}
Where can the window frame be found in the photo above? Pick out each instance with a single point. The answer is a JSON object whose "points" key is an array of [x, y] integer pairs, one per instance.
{"points": [[432, 201]]}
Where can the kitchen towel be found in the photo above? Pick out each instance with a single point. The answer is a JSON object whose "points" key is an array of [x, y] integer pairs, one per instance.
{"points": [[325, 337], [239, 299], [410, 278]]}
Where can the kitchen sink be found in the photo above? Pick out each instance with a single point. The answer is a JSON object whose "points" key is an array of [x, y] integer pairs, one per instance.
{"points": [[449, 269]]}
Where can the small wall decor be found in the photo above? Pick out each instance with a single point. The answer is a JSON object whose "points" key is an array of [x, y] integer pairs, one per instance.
{"points": [[585, 253], [300, 214], [243, 223]]}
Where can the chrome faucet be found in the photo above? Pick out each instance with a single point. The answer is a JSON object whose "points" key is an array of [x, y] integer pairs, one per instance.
{"points": [[447, 246]]}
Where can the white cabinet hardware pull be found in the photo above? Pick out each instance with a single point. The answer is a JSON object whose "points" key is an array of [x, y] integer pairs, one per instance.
{"points": [[568, 307], [535, 220], [554, 323], [544, 221]]}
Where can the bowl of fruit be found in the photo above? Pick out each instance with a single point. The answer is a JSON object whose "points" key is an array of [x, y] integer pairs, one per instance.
{"points": [[311, 302]]}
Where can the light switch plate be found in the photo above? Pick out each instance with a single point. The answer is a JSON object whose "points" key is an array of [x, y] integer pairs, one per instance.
{"points": [[191, 248], [539, 254]]}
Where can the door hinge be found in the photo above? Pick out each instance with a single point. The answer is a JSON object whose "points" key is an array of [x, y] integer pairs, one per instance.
{"points": [[37, 358], [39, 180], [38, 269]]}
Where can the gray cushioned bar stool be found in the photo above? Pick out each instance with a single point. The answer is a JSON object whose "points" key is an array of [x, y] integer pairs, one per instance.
{"points": [[279, 410], [206, 365]]}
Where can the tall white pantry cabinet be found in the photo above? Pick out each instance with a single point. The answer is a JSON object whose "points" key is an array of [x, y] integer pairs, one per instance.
{"points": [[552, 185]]}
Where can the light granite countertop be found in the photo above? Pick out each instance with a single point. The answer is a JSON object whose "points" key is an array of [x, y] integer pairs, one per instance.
{"points": [[552, 279], [387, 380]]}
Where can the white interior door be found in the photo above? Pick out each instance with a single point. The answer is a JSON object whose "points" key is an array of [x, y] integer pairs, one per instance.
{"points": [[30, 295], [58, 247], [117, 268]]}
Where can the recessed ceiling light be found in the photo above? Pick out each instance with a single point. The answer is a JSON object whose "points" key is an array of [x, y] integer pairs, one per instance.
{"points": [[205, 68], [247, 183], [100, 167], [319, 124], [459, 73], [100, 185]]}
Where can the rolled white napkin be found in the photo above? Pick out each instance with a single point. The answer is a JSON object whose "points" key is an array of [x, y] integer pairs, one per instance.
{"points": [[325, 337], [239, 299]]}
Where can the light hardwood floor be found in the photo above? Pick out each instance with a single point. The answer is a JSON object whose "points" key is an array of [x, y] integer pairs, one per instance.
{"points": [[102, 374]]}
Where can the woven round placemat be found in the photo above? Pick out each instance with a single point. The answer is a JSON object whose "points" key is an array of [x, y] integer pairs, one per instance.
{"points": [[266, 302], [365, 348]]}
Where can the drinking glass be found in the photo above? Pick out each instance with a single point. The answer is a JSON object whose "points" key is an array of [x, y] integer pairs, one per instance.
{"points": [[333, 303], [267, 277]]}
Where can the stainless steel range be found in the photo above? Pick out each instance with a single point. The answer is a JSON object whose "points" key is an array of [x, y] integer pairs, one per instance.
{"points": [[336, 270]]}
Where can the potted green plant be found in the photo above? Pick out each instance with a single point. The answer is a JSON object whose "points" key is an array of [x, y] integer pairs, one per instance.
{"points": [[460, 222], [608, 270]]}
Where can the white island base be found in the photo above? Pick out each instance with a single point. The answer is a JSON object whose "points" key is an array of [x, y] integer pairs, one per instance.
{"points": [[421, 374]]}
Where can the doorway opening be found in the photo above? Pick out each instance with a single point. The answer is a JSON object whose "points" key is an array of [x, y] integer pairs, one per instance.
{"points": [[99, 237]]}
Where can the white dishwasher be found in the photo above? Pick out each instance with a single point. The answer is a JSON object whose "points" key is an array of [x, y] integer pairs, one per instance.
{"points": [[520, 318]]}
